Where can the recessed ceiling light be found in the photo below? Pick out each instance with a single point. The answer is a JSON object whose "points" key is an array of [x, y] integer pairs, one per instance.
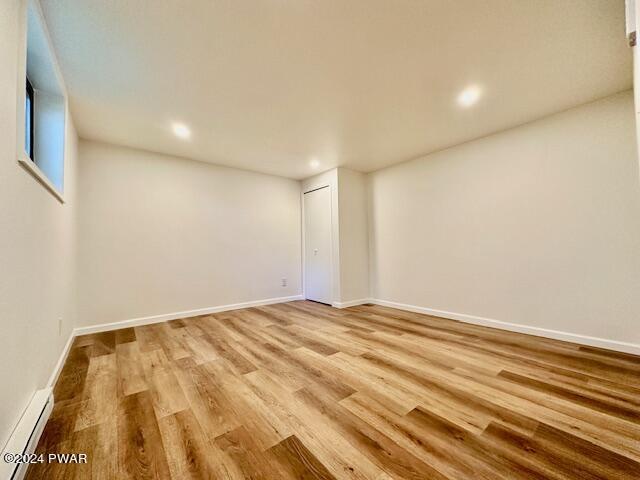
{"points": [[469, 96], [181, 130], [314, 163]]}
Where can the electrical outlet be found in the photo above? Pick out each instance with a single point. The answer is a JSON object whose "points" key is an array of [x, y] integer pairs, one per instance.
{"points": [[284, 282]]}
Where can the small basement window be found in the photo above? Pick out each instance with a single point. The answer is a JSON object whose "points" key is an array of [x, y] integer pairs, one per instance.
{"points": [[41, 148]]}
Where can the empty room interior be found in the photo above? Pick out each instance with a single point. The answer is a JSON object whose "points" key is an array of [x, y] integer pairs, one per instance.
{"points": [[302, 239]]}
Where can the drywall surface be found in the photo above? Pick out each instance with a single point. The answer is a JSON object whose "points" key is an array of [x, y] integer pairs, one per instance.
{"points": [[636, 82], [161, 234], [37, 250], [354, 235], [538, 225]]}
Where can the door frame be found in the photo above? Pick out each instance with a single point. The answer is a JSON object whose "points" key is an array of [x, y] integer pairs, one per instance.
{"points": [[304, 245]]}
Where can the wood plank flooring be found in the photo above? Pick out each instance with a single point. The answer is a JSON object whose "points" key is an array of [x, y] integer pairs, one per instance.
{"points": [[301, 390]]}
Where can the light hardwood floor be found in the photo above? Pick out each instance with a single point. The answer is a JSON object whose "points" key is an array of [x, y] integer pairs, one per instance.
{"points": [[301, 390]]}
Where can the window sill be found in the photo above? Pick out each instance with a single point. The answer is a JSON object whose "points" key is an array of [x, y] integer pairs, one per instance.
{"points": [[36, 173]]}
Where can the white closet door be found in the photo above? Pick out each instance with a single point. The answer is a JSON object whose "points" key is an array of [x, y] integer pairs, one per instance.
{"points": [[317, 245]]}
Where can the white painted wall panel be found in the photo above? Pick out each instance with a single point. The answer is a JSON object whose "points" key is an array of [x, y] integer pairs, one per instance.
{"points": [[161, 234], [538, 225]]}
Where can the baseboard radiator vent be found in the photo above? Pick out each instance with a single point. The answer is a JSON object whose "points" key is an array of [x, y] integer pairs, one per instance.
{"points": [[24, 439]]}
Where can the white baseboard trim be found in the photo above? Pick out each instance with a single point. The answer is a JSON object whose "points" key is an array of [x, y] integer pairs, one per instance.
{"points": [[63, 358], [514, 327], [351, 303], [136, 322]]}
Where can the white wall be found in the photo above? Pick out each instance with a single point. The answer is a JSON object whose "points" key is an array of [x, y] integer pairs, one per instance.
{"points": [[160, 234], [538, 225], [354, 235], [636, 80], [37, 250]]}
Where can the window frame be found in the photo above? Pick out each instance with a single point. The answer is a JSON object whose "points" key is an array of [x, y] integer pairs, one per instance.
{"points": [[46, 79]]}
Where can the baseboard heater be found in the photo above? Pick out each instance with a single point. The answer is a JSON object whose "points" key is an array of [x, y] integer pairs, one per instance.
{"points": [[25, 436]]}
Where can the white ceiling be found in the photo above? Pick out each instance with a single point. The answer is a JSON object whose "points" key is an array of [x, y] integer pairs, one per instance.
{"points": [[268, 85]]}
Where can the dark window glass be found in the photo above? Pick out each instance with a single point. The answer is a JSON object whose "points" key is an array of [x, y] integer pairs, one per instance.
{"points": [[28, 121]]}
